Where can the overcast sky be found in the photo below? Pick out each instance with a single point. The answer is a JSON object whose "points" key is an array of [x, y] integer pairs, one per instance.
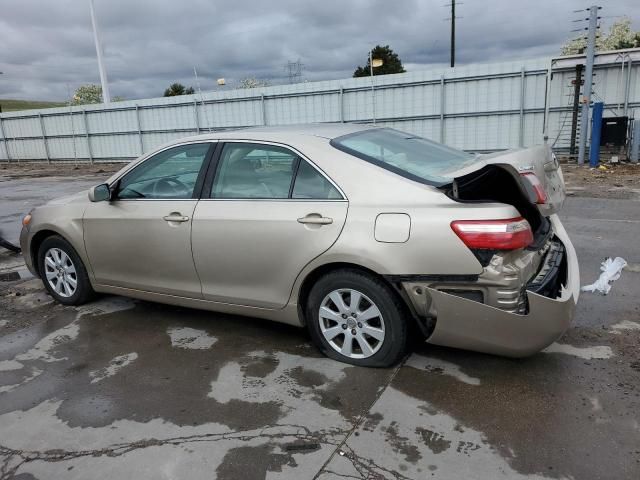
{"points": [[47, 45]]}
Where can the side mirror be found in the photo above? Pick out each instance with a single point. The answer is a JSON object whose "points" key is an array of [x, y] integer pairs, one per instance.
{"points": [[99, 193]]}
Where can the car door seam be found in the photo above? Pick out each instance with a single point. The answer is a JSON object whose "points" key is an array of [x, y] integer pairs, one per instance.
{"points": [[344, 223]]}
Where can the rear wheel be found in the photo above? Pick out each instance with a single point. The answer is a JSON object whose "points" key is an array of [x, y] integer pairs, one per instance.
{"points": [[63, 273], [356, 318]]}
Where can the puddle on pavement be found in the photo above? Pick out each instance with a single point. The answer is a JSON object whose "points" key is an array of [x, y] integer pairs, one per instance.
{"points": [[514, 405], [598, 352], [123, 371], [147, 361], [118, 361]]}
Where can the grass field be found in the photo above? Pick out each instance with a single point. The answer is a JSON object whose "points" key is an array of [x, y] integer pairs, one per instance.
{"points": [[15, 105]]}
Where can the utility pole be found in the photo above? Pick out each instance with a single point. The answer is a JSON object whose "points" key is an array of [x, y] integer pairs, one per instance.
{"points": [[453, 33], [588, 80], [106, 98], [576, 106]]}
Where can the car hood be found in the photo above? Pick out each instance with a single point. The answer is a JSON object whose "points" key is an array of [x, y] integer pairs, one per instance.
{"points": [[80, 197]]}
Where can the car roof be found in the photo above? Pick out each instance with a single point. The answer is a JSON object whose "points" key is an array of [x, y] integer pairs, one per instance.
{"points": [[328, 131]]}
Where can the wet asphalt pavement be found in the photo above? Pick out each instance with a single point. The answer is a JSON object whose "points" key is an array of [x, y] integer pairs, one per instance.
{"points": [[126, 389]]}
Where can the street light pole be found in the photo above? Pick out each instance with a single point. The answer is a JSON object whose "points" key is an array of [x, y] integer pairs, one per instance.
{"points": [[106, 97], [377, 62], [373, 91]]}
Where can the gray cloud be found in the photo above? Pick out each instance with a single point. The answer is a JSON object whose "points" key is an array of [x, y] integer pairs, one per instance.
{"points": [[47, 46]]}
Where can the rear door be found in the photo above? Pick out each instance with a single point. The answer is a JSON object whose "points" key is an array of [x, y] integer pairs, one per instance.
{"points": [[269, 212]]}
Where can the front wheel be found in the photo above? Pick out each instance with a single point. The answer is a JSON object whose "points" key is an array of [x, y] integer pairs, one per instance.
{"points": [[63, 273], [356, 318]]}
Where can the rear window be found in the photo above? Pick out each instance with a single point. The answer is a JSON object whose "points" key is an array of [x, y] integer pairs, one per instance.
{"points": [[405, 154]]}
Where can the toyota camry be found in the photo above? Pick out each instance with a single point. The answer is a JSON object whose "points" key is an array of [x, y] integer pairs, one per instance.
{"points": [[360, 234]]}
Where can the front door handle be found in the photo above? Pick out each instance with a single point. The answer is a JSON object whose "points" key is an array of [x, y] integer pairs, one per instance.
{"points": [[175, 217], [315, 219]]}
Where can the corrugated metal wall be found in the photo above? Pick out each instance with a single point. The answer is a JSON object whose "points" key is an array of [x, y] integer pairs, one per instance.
{"points": [[476, 107]]}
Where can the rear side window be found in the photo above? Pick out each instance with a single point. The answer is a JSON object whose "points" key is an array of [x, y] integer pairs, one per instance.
{"points": [[405, 154], [249, 170], [259, 171], [311, 184]]}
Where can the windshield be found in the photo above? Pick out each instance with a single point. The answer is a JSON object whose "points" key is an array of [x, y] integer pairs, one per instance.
{"points": [[405, 154]]}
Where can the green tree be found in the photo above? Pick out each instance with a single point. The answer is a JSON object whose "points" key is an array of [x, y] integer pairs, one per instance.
{"points": [[391, 63], [86, 94], [176, 89], [619, 36]]}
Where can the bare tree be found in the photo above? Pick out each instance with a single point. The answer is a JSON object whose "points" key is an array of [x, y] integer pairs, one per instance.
{"points": [[252, 82]]}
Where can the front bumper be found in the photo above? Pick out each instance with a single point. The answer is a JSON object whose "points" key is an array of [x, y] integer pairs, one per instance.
{"points": [[25, 245], [471, 325]]}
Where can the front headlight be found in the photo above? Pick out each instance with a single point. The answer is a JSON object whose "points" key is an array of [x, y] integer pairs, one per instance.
{"points": [[26, 220]]}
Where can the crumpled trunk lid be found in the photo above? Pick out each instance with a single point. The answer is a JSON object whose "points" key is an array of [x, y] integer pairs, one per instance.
{"points": [[539, 160]]}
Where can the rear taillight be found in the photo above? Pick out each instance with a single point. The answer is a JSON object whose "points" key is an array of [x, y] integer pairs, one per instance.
{"points": [[507, 234], [532, 178]]}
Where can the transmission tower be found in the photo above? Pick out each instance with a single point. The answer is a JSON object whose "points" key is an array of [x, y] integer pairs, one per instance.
{"points": [[294, 71]]}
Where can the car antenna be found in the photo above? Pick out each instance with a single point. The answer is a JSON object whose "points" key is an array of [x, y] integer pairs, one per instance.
{"points": [[204, 110]]}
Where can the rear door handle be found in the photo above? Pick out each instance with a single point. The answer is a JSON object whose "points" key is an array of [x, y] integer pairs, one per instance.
{"points": [[175, 217], [315, 219]]}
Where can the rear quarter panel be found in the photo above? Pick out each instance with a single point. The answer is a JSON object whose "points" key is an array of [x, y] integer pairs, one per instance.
{"points": [[432, 247]]}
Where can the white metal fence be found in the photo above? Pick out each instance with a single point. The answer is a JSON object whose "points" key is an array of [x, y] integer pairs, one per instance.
{"points": [[481, 107]]}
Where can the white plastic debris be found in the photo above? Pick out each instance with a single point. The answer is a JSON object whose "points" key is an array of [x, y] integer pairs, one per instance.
{"points": [[611, 269]]}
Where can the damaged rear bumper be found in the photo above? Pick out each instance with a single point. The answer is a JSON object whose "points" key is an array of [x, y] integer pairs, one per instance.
{"points": [[464, 323]]}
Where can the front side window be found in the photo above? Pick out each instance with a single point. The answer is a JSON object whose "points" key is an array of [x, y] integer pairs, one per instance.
{"points": [[170, 174], [405, 154]]}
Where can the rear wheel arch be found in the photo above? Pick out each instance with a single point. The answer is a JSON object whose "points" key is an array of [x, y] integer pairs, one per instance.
{"points": [[392, 320], [322, 270]]}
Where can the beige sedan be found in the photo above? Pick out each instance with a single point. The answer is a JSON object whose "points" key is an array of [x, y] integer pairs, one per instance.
{"points": [[364, 235]]}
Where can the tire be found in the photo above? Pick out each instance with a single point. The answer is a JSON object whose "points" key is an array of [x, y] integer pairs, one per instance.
{"points": [[368, 293], [58, 277]]}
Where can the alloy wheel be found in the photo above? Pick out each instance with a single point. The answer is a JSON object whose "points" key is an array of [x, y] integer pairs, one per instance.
{"points": [[351, 323], [60, 272]]}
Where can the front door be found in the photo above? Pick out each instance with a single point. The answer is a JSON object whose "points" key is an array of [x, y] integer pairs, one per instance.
{"points": [[142, 238], [268, 214]]}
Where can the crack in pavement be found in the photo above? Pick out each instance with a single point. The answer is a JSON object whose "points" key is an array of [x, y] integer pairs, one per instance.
{"points": [[336, 474], [368, 469], [343, 445], [14, 458]]}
